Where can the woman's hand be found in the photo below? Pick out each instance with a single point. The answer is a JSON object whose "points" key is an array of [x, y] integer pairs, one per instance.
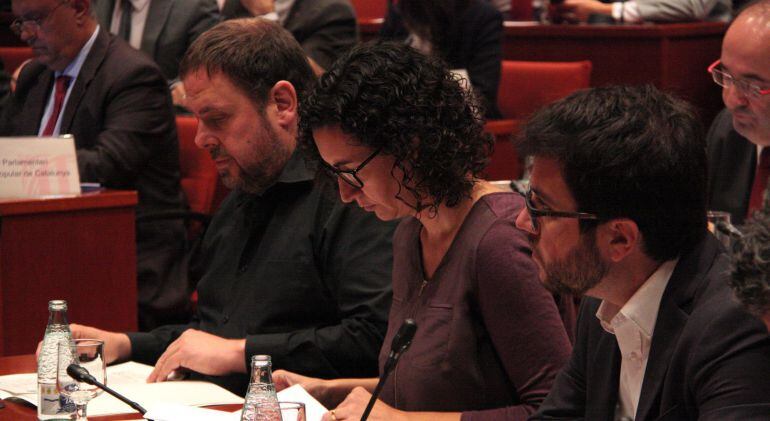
{"points": [[352, 408]]}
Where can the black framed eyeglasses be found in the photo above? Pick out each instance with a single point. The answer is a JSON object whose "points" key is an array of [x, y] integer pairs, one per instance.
{"points": [[726, 80], [535, 213], [351, 176], [23, 24]]}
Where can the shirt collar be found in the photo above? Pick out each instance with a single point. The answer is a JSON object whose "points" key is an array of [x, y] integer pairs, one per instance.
{"points": [[73, 69], [295, 171], [642, 308]]}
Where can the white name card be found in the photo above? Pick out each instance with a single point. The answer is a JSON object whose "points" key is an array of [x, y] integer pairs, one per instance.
{"points": [[38, 166]]}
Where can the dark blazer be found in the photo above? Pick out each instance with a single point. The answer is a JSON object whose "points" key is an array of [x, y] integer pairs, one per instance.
{"points": [[120, 114], [732, 165], [476, 46], [324, 28], [172, 25], [709, 359]]}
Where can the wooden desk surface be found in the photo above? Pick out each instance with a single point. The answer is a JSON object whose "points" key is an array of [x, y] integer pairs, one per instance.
{"points": [[91, 200], [18, 412]]}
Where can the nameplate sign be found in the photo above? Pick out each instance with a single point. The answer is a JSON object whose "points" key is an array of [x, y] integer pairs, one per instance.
{"points": [[38, 166]]}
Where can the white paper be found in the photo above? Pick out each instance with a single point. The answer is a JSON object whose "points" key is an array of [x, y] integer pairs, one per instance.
{"points": [[176, 412], [314, 411], [129, 379], [20, 387]]}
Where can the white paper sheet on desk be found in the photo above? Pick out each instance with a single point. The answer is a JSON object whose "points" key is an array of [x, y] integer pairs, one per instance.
{"points": [[129, 379], [172, 412]]}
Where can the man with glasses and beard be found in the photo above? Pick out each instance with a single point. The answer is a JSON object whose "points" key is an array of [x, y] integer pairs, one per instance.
{"points": [[616, 211]]}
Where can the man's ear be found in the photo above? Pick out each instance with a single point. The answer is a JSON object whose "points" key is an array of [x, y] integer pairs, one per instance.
{"points": [[619, 238], [82, 10], [284, 96]]}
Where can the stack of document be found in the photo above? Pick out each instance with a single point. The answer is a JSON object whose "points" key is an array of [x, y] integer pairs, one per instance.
{"points": [[130, 380], [167, 401]]}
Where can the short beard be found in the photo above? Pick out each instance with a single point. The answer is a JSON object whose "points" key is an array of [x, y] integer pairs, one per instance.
{"points": [[259, 177], [580, 271]]}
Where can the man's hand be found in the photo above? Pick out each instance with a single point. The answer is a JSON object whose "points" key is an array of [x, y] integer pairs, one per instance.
{"points": [[203, 353], [579, 10], [117, 346], [259, 7]]}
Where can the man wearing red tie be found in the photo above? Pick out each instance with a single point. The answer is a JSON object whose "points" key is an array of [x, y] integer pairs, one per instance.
{"points": [[116, 103], [739, 138]]}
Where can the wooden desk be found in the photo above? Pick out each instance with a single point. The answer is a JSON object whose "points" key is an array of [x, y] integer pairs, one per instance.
{"points": [[19, 412], [81, 249], [673, 57]]}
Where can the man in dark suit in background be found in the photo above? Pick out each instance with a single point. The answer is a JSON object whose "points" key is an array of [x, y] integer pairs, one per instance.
{"points": [[739, 157], [324, 28], [168, 27], [616, 211], [115, 102]]}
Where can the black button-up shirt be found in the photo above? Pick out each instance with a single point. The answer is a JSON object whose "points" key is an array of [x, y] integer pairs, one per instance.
{"points": [[300, 275]]}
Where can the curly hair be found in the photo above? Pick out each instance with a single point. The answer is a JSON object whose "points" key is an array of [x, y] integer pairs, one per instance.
{"points": [[751, 265], [388, 95]]}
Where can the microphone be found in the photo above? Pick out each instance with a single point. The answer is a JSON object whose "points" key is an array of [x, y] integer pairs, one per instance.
{"points": [[398, 346], [80, 374]]}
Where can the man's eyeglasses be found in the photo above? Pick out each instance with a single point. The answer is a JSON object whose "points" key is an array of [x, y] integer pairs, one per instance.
{"points": [[535, 213], [726, 80], [350, 176], [24, 24]]}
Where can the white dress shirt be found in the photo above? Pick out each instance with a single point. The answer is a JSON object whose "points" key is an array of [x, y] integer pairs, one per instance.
{"points": [[72, 70], [138, 20], [633, 326]]}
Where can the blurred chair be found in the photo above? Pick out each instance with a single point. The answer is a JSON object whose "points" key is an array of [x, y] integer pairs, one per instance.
{"points": [[368, 10], [198, 173], [521, 10], [199, 180], [13, 57], [526, 86]]}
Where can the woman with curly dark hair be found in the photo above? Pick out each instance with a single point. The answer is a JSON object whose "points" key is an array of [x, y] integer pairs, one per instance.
{"points": [[405, 142]]}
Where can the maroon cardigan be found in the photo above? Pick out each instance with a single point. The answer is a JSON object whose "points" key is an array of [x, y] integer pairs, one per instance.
{"points": [[489, 339]]}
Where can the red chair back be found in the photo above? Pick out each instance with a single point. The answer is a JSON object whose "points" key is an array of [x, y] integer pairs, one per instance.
{"points": [[521, 9], [370, 9], [13, 57], [199, 174], [526, 86]]}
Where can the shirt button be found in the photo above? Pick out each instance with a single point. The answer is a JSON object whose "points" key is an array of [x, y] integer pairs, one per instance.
{"points": [[225, 319], [243, 268]]}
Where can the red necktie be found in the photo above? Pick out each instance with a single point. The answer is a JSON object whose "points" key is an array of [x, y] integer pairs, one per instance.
{"points": [[760, 181], [62, 83]]}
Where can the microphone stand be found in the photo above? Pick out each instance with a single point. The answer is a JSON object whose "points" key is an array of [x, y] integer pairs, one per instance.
{"points": [[400, 343], [82, 375]]}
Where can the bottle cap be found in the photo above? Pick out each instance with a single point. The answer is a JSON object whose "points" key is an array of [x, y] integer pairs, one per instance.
{"points": [[260, 359], [57, 305]]}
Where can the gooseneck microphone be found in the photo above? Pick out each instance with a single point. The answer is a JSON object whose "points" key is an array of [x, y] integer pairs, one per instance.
{"points": [[80, 374], [400, 343]]}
